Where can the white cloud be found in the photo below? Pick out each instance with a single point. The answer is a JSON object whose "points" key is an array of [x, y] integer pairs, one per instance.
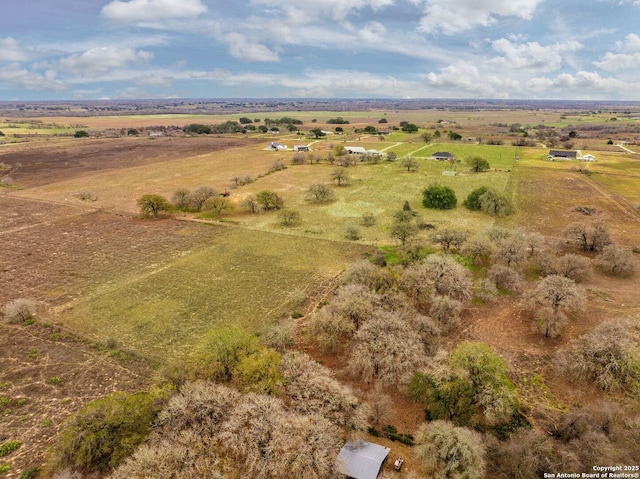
{"points": [[304, 12], [152, 10], [12, 51], [453, 16], [98, 61], [246, 50], [31, 80], [531, 55], [372, 33], [628, 56], [467, 80]]}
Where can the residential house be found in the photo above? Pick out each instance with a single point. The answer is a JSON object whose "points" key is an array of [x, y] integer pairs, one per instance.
{"points": [[555, 155], [355, 150], [443, 156], [275, 146]]}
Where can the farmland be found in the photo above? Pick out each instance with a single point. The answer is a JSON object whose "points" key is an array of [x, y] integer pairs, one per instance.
{"points": [[142, 293]]}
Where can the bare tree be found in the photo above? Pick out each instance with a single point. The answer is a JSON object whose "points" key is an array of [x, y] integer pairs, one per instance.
{"points": [[320, 193], [446, 312], [403, 231], [252, 204], [181, 198], [450, 452], [552, 297], [506, 278], [289, 217], [589, 237], [572, 266], [526, 455], [329, 330], [534, 241], [607, 355], [200, 195], [311, 388], [437, 275], [449, 237], [479, 248], [340, 176], [512, 248], [386, 348], [616, 261], [217, 205]]}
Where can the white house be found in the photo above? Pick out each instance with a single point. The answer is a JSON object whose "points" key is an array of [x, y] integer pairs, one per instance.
{"points": [[355, 150], [301, 148], [443, 156], [274, 145], [588, 157]]}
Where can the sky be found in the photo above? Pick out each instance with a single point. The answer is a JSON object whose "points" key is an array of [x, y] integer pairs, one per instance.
{"points": [[485, 49]]}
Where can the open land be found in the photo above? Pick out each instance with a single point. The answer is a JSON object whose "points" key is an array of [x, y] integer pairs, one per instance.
{"points": [[118, 296]]}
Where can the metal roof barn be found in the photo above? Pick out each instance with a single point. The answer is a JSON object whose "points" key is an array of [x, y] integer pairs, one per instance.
{"points": [[361, 459]]}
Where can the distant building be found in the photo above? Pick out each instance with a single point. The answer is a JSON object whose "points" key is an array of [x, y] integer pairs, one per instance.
{"points": [[587, 158], [301, 148], [443, 156], [355, 150], [361, 459], [275, 146], [562, 155]]}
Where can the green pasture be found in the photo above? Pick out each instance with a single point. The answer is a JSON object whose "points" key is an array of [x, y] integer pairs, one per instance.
{"points": [[244, 278]]}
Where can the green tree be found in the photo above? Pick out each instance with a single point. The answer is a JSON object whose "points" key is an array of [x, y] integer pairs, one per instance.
{"points": [[439, 197], [152, 205], [217, 205], [318, 133], [403, 231], [269, 200], [410, 128], [370, 129], [410, 163], [427, 137], [81, 134], [245, 121], [132, 132], [473, 200], [495, 203], [470, 386], [106, 431], [454, 136], [477, 163]]}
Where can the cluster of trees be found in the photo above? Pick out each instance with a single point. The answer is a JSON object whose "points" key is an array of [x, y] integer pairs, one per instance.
{"points": [[484, 198]]}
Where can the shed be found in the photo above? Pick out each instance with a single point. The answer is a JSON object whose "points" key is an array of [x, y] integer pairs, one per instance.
{"points": [[355, 150], [442, 156], [301, 148], [361, 459], [562, 154]]}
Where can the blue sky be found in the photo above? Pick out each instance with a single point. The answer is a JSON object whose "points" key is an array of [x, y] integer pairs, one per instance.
{"points": [[529, 49]]}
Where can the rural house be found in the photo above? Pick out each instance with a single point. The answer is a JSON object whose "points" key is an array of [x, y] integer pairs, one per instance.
{"points": [[587, 158], [274, 145], [562, 155], [361, 459], [301, 148], [443, 156], [355, 150]]}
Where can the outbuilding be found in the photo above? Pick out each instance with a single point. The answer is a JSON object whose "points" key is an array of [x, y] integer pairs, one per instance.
{"points": [[443, 156], [360, 459], [562, 155]]}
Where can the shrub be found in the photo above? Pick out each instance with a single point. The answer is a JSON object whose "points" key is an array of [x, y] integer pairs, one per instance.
{"points": [[81, 134], [352, 232], [8, 447], [368, 219], [19, 310], [105, 432], [85, 195], [439, 197], [277, 166], [446, 312], [616, 261], [289, 217]]}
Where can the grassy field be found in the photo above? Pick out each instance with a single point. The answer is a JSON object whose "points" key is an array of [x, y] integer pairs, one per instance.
{"points": [[243, 278]]}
